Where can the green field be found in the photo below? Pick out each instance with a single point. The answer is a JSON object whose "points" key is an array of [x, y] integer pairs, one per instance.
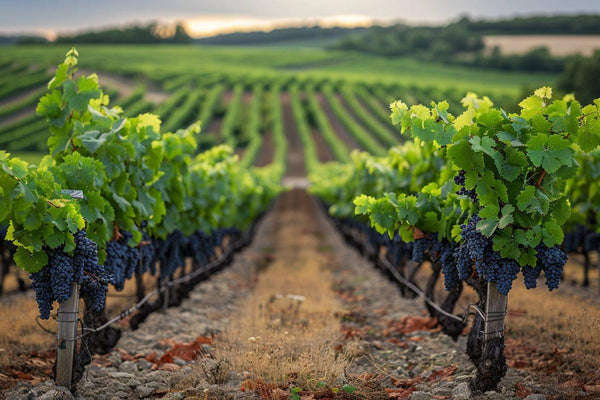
{"points": [[218, 85]]}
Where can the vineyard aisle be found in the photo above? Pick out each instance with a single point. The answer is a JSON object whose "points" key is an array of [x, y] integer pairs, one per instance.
{"points": [[298, 308]]}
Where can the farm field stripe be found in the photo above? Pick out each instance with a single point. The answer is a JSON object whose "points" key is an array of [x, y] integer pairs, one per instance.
{"points": [[183, 114], [280, 142], [337, 126], [366, 120], [308, 144], [337, 146], [208, 106], [377, 108], [361, 136], [233, 116], [165, 108], [253, 126]]}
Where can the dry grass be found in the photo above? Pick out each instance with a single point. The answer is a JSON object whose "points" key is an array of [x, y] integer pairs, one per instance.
{"points": [[558, 321], [560, 326], [20, 333], [285, 332]]}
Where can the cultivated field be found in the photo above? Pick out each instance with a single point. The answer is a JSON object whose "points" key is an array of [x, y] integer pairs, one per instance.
{"points": [[559, 45], [300, 313]]}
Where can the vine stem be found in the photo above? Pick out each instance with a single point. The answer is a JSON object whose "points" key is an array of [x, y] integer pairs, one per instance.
{"points": [[539, 182], [116, 233]]}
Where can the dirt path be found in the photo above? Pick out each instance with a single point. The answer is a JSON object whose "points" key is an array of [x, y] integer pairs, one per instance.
{"points": [[337, 126], [295, 155]]}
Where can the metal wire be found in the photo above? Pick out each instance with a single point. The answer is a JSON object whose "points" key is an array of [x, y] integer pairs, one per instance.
{"points": [[386, 263], [166, 286]]}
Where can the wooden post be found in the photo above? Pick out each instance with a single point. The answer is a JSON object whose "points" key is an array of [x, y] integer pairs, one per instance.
{"points": [[495, 312], [68, 313], [166, 296]]}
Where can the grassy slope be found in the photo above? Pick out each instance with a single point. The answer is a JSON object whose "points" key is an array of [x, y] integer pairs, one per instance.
{"points": [[286, 60]]}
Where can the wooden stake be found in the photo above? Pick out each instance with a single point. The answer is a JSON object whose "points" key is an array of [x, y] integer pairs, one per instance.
{"points": [[495, 311], [68, 313]]}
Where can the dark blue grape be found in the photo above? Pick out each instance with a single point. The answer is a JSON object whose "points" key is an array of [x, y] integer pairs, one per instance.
{"points": [[53, 282], [449, 267], [41, 284], [530, 276], [420, 246], [507, 273], [460, 180], [552, 261]]}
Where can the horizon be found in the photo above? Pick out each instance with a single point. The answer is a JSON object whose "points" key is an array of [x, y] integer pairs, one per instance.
{"points": [[205, 20]]}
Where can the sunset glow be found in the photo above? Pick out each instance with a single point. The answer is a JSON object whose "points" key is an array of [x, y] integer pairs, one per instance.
{"points": [[210, 25]]}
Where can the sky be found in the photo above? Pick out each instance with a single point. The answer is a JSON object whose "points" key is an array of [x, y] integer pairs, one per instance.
{"points": [[205, 17]]}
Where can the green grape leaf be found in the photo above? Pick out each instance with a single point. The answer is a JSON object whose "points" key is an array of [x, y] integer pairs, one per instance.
{"points": [[28, 261], [507, 217], [532, 200], [491, 119], [549, 152], [552, 233], [483, 144], [464, 157], [489, 220]]}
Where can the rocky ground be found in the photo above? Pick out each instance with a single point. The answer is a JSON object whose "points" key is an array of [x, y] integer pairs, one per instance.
{"points": [[392, 349]]}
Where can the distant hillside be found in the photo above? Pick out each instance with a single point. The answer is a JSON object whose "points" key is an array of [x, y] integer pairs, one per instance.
{"points": [[142, 34], [584, 24], [22, 39], [313, 36], [462, 42]]}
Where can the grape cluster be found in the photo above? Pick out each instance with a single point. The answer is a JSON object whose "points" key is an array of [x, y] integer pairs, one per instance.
{"points": [[53, 281], [530, 276], [420, 246], [445, 253], [171, 252], [477, 250], [62, 274], [146, 255], [460, 180], [507, 273], [552, 261], [94, 286], [121, 259], [41, 282]]}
